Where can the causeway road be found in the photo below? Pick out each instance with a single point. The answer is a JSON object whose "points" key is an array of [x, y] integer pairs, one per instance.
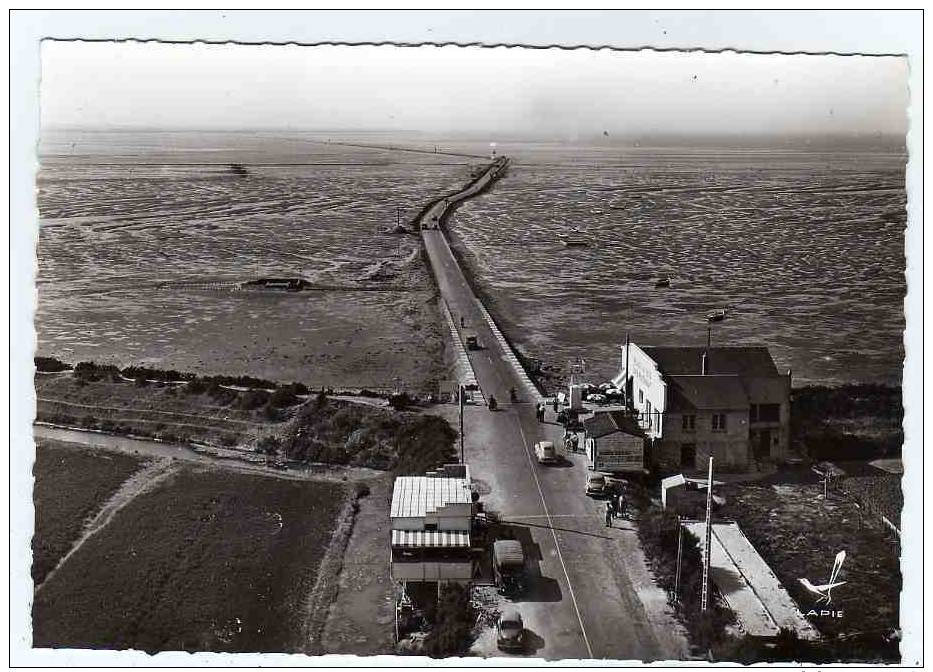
{"points": [[590, 593]]}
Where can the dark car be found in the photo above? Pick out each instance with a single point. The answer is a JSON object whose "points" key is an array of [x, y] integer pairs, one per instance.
{"points": [[510, 631]]}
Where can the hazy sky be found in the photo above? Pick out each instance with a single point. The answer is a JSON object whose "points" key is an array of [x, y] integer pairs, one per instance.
{"points": [[500, 91]]}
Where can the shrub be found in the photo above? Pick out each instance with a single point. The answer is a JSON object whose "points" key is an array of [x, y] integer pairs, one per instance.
{"points": [[268, 445], [50, 365], [195, 386], [362, 490], [252, 399], [400, 401], [221, 395], [271, 413], [283, 397], [87, 371], [453, 620]]}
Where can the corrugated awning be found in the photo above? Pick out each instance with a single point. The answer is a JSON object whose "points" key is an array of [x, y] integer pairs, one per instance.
{"points": [[430, 539]]}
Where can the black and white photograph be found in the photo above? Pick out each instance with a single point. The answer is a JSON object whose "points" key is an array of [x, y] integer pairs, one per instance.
{"points": [[464, 351]]}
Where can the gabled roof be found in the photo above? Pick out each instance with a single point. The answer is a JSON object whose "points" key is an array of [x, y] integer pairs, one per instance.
{"points": [[706, 392], [604, 423], [740, 360], [416, 496]]}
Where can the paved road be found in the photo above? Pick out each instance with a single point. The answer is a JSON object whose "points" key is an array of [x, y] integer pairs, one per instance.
{"points": [[590, 595]]}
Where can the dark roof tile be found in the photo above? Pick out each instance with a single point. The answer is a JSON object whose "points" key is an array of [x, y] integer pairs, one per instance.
{"points": [[740, 360]]}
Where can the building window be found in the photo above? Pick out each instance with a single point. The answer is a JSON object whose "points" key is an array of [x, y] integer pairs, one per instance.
{"points": [[769, 413], [641, 396], [719, 422], [753, 413], [689, 423]]}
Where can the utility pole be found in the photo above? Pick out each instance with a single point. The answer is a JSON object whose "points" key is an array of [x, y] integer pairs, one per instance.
{"points": [[460, 395], [680, 553], [628, 400], [707, 551]]}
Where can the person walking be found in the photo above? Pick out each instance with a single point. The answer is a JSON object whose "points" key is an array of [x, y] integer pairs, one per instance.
{"points": [[620, 506], [555, 404], [608, 514], [461, 321]]}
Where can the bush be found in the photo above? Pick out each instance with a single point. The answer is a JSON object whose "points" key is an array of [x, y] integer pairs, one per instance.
{"points": [[362, 490], [196, 386], [252, 399], [170, 375], [87, 371], [268, 445], [271, 413], [453, 620], [283, 397], [221, 395], [400, 401], [50, 365]]}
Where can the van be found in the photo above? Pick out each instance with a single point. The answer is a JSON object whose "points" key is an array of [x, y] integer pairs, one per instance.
{"points": [[508, 565]]}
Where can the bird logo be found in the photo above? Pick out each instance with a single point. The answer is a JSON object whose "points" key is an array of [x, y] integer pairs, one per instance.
{"points": [[824, 591]]}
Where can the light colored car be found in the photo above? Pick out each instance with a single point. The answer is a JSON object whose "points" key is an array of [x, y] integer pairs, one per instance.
{"points": [[510, 631], [596, 398], [595, 484], [546, 452]]}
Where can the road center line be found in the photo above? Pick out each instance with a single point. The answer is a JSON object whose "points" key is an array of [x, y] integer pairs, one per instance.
{"points": [[560, 555]]}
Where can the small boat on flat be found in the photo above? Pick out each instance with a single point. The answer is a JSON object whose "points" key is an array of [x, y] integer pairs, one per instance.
{"points": [[717, 315], [663, 282], [574, 238]]}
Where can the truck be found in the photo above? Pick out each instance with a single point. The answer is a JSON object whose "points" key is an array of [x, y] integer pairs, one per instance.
{"points": [[472, 341], [508, 566]]}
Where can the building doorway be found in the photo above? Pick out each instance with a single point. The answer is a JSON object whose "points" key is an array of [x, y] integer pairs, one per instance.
{"points": [[688, 455], [761, 444]]}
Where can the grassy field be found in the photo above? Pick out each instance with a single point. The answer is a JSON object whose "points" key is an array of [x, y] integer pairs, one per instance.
{"points": [[71, 484], [798, 535], [210, 560], [207, 413]]}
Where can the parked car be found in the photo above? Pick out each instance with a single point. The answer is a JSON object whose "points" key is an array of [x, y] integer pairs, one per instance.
{"points": [[510, 631], [595, 484], [596, 398], [546, 452]]}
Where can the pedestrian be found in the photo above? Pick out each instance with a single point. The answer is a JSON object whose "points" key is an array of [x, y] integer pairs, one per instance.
{"points": [[608, 514], [555, 404], [620, 506], [461, 321], [574, 442]]}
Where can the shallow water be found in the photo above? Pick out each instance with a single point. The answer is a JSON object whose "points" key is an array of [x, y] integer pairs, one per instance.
{"points": [[804, 250], [122, 213]]}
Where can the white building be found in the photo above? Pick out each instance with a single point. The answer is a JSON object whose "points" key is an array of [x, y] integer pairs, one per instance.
{"points": [[730, 403], [431, 518], [647, 388]]}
